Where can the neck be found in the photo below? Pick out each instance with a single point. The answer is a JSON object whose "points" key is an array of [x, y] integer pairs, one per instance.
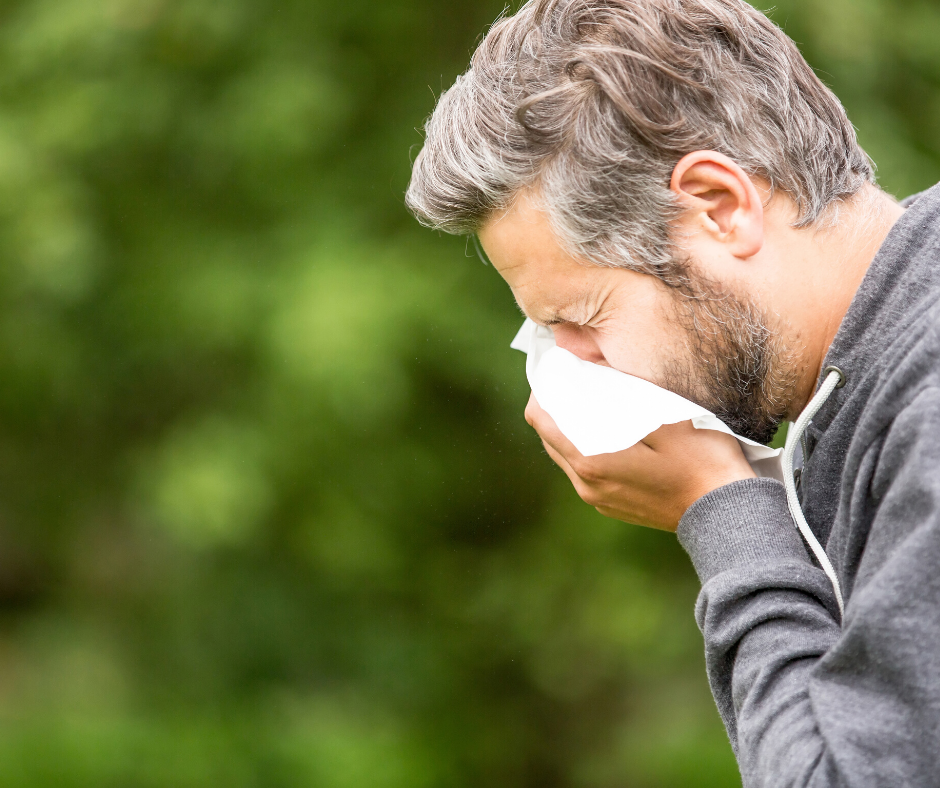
{"points": [[835, 262]]}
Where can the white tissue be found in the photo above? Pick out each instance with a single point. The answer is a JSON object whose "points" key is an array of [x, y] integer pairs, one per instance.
{"points": [[601, 410]]}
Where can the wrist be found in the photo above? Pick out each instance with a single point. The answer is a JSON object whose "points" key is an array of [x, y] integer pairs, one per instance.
{"points": [[719, 479]]}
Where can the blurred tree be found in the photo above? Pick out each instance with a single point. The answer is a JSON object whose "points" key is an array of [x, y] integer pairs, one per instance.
{"points": [[269, 513]]}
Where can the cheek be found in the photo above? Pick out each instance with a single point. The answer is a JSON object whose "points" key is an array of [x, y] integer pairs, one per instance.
{"points": [[637, 330], [638, 347]]}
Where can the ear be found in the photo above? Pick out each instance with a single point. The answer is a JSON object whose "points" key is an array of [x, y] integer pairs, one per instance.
{"points": [[721, 201]]}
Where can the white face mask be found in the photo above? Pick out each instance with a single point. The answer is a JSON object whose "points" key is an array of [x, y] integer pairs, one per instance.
{"points": [[602, 411]]}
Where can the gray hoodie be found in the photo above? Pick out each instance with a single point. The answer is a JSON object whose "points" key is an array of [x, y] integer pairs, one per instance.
{"points": [[808, 700]]}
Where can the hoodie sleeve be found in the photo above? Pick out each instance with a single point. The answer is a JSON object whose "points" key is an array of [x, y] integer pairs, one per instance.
{"points": [[808, 702]]}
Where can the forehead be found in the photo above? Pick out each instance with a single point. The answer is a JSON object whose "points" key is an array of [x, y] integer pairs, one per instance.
{"points": [[543, 276], [519, 231]]}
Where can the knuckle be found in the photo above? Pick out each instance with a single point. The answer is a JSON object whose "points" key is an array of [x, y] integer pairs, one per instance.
{"points": [[592, 498], [530, 414], [586, 468], [588, 494], [582, 491]]}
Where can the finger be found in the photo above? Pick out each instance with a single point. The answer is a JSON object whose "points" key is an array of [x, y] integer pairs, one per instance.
{"points": [[669, 433], [561, 462], [582, 488], [548, 431], [588, 470], [671, 437], [530, 407]]}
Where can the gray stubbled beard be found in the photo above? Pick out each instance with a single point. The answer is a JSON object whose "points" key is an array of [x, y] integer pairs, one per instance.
{"points": [[739, 365]]}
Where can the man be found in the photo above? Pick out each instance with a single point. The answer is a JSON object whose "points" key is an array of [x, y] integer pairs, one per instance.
{"points": [[668, 185]]}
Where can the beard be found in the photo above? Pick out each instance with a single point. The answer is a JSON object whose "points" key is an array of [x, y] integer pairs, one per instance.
{"points": [[738, 363]]}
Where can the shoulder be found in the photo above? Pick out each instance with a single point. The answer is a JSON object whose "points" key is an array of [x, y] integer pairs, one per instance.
{"points": [[894, 391], [911, 363], [912, 436]]}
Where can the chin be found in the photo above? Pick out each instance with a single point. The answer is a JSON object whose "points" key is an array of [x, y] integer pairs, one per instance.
{"points": [[762, 431]]}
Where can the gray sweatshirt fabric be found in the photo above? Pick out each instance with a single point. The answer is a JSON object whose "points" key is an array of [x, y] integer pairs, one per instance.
{"points": [[808, 700]]}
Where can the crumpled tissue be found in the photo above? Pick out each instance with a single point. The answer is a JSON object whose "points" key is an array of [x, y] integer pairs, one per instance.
{"points": [[602, 411]]}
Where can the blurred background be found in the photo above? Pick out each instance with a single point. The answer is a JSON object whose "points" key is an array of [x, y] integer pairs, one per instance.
{"points": [[269, 511]]}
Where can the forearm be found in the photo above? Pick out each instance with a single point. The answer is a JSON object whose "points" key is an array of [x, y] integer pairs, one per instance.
{"points": [[808, 702], [768, 616]]}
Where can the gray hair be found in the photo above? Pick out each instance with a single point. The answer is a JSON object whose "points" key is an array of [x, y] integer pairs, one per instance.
{"points": [[590, 104]]}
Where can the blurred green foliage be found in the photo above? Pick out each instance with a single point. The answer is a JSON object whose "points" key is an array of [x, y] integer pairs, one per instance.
{"points": [[269, 513]]}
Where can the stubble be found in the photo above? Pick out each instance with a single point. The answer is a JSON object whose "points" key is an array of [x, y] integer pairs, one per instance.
{"points": [[738, 362]]}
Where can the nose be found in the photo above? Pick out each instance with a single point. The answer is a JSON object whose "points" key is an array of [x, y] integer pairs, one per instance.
{"points": [[580, 341]]}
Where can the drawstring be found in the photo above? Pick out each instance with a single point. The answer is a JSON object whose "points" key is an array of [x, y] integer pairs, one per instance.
{"points": [[835, 379]]}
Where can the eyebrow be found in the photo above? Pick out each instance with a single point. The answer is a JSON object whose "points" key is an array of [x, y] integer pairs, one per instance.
{"points": [[559, 316], [554, 320]]}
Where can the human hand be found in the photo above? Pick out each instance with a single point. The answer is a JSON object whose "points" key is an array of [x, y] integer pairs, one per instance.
{"points": [[652, 483]]}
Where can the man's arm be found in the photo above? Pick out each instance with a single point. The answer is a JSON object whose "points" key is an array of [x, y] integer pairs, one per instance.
{"points": [[805, 701]]}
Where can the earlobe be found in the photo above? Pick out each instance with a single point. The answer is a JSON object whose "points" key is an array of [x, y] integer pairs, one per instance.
{"points": [[721, 200]]}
